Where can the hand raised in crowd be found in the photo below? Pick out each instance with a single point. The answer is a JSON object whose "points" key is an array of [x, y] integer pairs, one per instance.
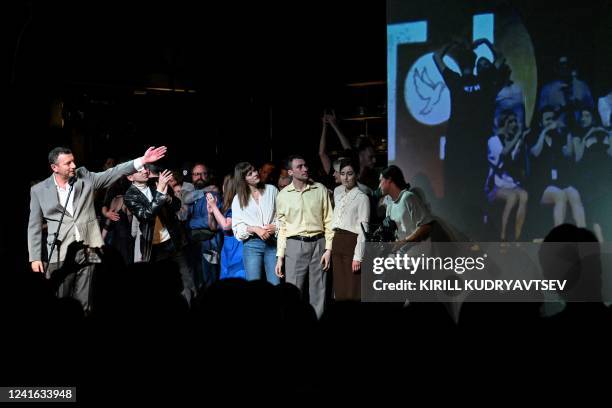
{"points": [[112, 215], [162, 184], [211, 202], [331, 117], [210, 208], [525, 133], [211, 199], [153, 154]]}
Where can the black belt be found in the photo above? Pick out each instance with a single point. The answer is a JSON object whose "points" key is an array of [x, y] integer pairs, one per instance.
{"points": [[307, 239]]}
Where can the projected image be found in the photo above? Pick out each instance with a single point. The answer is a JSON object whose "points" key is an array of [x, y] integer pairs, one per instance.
{"points": [[498, 154], [425, 92]]}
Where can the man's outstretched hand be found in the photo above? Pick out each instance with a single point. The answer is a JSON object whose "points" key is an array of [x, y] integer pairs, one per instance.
{"points": [[153, 154]]}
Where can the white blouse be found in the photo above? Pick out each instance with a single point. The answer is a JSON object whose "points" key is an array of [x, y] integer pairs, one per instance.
{"points": [[351, 210], [254, 214]]}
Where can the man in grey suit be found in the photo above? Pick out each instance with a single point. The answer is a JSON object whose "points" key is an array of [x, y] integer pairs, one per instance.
{"points": [[47, 200]]}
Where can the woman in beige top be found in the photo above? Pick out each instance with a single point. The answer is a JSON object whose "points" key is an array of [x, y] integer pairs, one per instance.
{"points": [[352, 209]]}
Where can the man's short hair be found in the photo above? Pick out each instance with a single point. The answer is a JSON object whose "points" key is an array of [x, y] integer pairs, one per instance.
{"points": [[54, 154], [290, 160], [153, 168]]}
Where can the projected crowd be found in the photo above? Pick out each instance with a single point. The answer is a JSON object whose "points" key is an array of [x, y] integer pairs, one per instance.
{"points": [[562, 159]]}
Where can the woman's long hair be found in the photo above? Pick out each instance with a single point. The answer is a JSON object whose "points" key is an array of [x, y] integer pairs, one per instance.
{"points": [[242, 187], [229, 191]]}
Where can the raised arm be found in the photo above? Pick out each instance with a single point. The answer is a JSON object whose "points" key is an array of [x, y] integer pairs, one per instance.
{"points": [[439, 56], [143, 209], [498, 58], [578, 147], [325, 160], [213, 210], [331, 119], [108, 177], [581, 144], [509, 146], [536, 149]]}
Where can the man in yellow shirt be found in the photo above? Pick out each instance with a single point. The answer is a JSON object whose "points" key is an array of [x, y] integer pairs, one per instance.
{"points": [[304, 213]]}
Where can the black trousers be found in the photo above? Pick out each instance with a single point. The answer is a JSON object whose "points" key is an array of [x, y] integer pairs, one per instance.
{"points": [[167, 251]]}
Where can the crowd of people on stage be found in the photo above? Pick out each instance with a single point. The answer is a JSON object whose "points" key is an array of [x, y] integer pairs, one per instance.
{"points": [[262, 224], [286, 223], [563, 159]]}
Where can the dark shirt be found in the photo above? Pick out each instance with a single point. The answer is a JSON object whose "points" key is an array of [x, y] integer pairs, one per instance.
{"points": [[472, 110]]}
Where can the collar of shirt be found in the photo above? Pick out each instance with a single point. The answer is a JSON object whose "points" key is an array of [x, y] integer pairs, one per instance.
{"points": [[307, 186], [65, 188], [67, 199], [399, 196], [146, 191]]}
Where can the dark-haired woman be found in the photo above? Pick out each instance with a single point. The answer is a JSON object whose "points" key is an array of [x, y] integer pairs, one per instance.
{"points": [[254, 211], [410, 214], [351, 211]]}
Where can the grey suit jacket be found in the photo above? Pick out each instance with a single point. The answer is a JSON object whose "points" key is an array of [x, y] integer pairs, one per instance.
{"points": [[45, 205]]}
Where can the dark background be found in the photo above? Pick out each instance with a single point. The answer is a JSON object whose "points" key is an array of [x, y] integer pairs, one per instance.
{"points": [[262, 74], [244, 61], [248, 65]]}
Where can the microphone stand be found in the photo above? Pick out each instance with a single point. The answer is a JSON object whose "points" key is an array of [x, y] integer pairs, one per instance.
{"points": [[56, 241]]}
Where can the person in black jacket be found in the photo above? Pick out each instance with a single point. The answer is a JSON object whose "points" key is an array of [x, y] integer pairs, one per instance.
{"points": [[155, 207]]}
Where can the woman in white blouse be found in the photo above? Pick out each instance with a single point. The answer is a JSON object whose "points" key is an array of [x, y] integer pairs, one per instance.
{"points": [[253, 210], [352, 209]]}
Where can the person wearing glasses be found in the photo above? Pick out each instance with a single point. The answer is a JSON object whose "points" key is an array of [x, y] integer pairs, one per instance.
{"points": [[202, 227], [70, 190]]}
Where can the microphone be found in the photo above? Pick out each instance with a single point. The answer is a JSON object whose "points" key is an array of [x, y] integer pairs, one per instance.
{"points": [[72, 180]]}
